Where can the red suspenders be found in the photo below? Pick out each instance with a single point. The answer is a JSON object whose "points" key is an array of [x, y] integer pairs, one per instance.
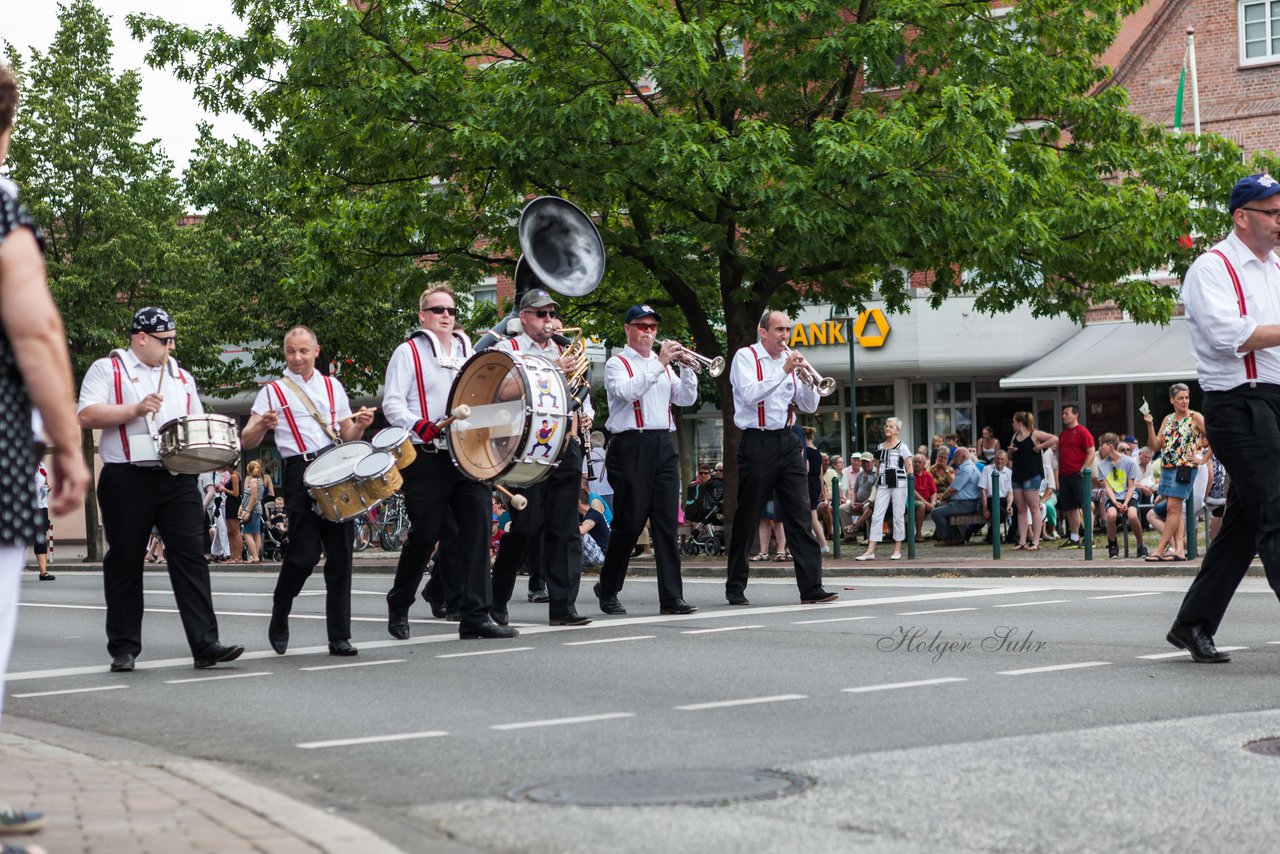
{"points": [[417, 367], [1250, 364], [635, 404], [288, 415], [124, 437]]}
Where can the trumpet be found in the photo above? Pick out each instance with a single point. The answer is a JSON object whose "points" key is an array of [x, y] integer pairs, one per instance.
{"points": [[808, 375], [696, 361]]}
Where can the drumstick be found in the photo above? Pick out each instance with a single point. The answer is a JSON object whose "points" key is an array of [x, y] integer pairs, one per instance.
{"points": [[357, 414], [518, 502], [460, 411]]}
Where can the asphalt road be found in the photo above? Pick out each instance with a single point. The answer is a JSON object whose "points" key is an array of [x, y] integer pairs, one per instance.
{"points": [[931, 714]]}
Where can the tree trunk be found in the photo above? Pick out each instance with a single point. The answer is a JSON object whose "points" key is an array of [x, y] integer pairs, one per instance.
{"points": [[92, 526]]}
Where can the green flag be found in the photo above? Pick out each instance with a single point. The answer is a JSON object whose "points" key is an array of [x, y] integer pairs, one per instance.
{"points": [[1177, 106]]}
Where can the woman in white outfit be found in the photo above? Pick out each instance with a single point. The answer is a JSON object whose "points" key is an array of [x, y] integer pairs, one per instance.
{"points": [[891, 486]]}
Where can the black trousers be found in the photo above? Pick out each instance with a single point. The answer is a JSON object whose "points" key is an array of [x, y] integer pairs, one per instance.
{"points": [[308, 533], [445, 562], [552, 514], [1243, 427], [133, 499], [773, 461], [434, 490], [644, 468]]}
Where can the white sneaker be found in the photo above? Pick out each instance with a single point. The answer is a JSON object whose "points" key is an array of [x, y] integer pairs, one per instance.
{"points": [[865, 557]]}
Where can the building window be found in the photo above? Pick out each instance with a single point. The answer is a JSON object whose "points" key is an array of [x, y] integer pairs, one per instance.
{"points": [[949, 411], [486, 291], [1259, 31]]}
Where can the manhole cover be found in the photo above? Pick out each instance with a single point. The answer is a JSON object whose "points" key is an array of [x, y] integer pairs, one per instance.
{"points": [[665, 788], [1264, 746]]}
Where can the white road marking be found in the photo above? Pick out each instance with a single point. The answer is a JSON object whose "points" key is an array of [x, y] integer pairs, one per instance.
{"points": [[1052, 668], [1020, 604], [939, 611], [890, 686], [371, 739], [830, 620], [1127, 595], [353, 664], [721, 629], [222, 613], [1182, 653], [582, 719], [486, 652], [613, 640], [452, 637], [214, 678], [72, 691], [750, 701]]}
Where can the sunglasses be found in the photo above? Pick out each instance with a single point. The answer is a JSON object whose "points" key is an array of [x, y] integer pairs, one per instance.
{"points": [[173, 339], [544, 313], [646, 327], [443, 309]]}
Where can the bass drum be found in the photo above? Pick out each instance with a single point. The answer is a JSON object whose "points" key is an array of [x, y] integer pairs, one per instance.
{"points": [[520, 414], [195, 444]]}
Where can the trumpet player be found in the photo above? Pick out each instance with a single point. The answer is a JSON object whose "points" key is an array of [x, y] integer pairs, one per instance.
{"points": [[552, 512], [642, 461], [769, 384]]}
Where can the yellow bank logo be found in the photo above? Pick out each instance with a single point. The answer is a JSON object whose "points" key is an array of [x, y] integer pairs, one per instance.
{"points": [[833, 332]]}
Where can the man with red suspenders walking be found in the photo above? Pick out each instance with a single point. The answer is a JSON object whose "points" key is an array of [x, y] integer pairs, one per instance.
{"points": [[304, 428], [766, 393], [642, 460], [126, 396], [1233, 311]]}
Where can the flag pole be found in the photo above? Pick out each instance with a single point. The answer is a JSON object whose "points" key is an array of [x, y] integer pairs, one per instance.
{"points": [[1195, 87]]}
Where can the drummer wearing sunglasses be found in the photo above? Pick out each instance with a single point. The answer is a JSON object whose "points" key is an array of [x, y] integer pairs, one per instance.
{"points": [[416, 393], [128, 396], [552, 512]]}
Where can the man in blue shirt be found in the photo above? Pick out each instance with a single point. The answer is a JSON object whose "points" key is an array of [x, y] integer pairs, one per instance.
{"points": [[962, 498]]}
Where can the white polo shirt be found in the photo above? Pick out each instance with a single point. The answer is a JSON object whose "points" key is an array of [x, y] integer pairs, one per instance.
{"points": [[298, 431], [124, 378]]}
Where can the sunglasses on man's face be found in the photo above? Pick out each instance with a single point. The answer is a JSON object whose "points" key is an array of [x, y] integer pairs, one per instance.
{"points": [[544, 313], [442, 309], [646, 327]]}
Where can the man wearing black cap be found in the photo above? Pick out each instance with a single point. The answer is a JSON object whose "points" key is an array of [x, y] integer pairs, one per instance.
{"points": [[128, 396], [1234, 319], [553, 500], [642, 459], [766, 392]]}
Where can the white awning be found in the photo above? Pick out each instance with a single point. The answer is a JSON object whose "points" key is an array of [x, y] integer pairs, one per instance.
{"points": [[1105, 353]]}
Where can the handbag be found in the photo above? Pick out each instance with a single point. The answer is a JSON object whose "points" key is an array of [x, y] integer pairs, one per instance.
{"points": [[1184, 474]]}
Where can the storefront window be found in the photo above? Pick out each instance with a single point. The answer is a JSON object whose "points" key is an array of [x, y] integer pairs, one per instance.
{"points": [[708, 440], [874, 395], [942, 392], [919, 393]]}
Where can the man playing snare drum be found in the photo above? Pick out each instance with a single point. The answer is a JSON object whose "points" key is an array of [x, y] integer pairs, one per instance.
{"points": [[419, 376], [309, 412], [128, 396]]}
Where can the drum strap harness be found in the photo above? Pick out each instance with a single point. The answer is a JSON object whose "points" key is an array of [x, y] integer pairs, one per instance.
{"points": [[425, 429], [302, 395]]}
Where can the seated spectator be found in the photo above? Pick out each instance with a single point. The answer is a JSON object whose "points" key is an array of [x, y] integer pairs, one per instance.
{"points": [[952, 444], [1118, 477], [859, 499], [926, 492], [1148, 475], [594, 531], [997, 479], [941, 471], [830, 494], [961, 498], [277, 517], [1215, 492]]}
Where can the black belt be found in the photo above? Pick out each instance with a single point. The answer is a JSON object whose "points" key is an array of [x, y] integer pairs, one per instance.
{"points": [[779, 432], [308, 457], [663, 431]]}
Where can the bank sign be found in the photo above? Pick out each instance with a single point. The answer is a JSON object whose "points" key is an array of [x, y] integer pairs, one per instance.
{"points": [[870, 329]]}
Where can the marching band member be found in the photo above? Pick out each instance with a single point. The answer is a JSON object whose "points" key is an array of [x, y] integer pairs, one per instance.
{"points": [[552, 512], [419, 376], [127, 396], [766, 391], [315, 413], [642, 461]]}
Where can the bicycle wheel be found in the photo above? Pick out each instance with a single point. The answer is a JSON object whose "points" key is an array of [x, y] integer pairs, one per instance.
{"points": [[395, 529], [364, 534]]}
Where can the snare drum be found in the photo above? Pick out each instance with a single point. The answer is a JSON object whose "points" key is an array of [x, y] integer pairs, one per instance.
{"points": [[378, 477], [520, 414], [195, 444], [331, 481], [398, 442]]}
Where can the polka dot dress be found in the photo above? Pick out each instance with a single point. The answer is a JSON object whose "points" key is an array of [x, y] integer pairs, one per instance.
{"points": [[18, 514]]}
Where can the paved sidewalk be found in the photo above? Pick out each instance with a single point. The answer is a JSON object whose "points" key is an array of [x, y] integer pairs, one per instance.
{"points": [[149, 802]]}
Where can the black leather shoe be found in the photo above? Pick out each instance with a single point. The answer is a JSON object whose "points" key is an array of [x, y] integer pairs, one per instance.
{"points": [[612, 607], [570, 620], [487, 630], [278, 633], [453, 616], [539, 595], [677, 606], [438, 608], [342, 647], [737, 599], [499, 617], [398, 627], [218, 653], [1196, 641], [122, 663], [820, 596]]}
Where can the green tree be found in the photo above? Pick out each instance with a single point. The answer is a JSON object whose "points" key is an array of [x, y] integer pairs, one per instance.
{"points": [[737, 155], [107, 203]]}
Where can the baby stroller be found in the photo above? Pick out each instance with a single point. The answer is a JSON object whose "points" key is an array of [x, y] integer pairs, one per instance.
{"points": [[273, 542], [705, 513]]}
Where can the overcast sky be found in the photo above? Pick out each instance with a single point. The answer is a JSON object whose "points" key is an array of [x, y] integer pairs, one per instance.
{"points": [[169, 109]]}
